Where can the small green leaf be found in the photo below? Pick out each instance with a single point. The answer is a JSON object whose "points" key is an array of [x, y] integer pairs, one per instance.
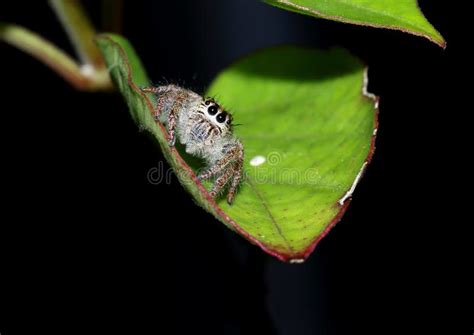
{"points": [[404, 15], [308, 132]]}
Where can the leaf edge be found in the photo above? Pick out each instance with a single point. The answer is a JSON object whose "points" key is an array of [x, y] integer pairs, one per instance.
{"points": [[284, 4]]}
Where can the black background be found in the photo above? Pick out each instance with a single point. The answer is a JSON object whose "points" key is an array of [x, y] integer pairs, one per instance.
{"points": [[89, 246]]}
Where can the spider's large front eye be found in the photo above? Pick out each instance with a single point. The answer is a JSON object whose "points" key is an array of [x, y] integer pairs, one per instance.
{"points": [[221, 117], [212, 110]]}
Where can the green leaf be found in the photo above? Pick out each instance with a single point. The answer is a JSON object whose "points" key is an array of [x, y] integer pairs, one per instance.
{"points": [[404, 15], [303, 113]]}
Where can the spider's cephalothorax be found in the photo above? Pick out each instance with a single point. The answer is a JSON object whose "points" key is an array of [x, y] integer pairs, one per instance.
{"points": [[205, 129]]}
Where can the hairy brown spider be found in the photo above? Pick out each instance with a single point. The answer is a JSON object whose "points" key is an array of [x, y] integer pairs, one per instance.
{"points": [[205, 129]]}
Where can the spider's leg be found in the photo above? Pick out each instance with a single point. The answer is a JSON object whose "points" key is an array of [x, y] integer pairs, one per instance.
{"points": [[176, 109], [234, 152], [160, 92], [150, 89], [221, 181], [237, 177], [171, 128]]}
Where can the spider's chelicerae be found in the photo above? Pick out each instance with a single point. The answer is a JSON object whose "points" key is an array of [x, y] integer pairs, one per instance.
{"points": [[205, 129]]}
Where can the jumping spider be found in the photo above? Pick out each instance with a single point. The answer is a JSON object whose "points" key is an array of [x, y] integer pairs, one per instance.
{"points": [[205, 129]]}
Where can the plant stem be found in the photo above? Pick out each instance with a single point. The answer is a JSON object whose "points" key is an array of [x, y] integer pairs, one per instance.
{"points": [[80, 30], [81, 77]]}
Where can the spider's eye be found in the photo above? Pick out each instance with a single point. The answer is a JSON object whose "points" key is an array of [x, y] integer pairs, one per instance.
{"points": [[212, 110], [207, 102], [221, 117]]}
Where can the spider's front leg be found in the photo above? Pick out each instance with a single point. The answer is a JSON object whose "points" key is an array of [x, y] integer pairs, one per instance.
{"points": [[234, 153], [221, 181], [231, 165], [237, 177]]}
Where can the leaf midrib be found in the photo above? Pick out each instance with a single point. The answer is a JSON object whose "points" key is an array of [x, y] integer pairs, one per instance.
{"points": [[270, 215]]}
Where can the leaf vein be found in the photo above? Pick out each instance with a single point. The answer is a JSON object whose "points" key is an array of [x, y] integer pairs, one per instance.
{"points": [[270, 215]]}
